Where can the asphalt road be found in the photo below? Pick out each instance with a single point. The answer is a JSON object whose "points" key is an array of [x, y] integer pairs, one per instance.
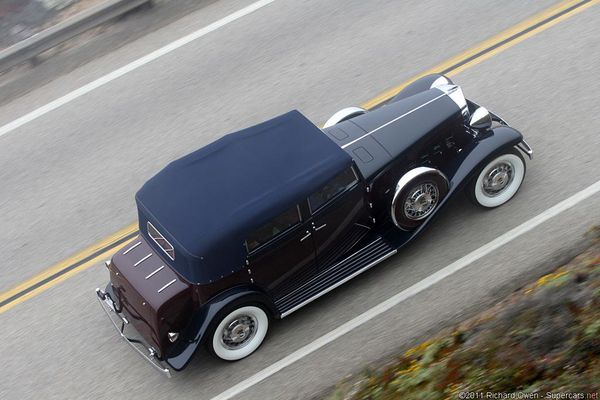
{"points": [[67, 179]]}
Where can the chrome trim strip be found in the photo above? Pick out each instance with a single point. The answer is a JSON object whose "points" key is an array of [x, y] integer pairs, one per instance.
{"points": [[333, 266], [157, 270], [496, 118], [320, 227], [394, 120], [132, 247], [151, 358], [456, 94], [362, 226], [166, 251], [524, 146], [406, 179], [167, 285], [303, 238], [142, 260], [330, 288]]}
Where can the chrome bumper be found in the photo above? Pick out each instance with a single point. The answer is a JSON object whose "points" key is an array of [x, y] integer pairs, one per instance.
{"points": [[109, 307], [526, 148], [523, 145]]}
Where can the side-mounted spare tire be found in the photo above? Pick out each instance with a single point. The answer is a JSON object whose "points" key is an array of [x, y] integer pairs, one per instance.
{"points": [[422, 84], [417, 195]]}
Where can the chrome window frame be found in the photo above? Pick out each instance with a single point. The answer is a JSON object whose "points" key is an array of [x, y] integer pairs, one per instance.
{"points": [[166, 251]]}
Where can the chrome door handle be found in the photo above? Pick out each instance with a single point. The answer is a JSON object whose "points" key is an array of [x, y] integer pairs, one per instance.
{"points": [[303, 238], [321, 227]]}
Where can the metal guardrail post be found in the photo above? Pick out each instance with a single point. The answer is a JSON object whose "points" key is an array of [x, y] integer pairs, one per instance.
{"points": [[29, 48]]}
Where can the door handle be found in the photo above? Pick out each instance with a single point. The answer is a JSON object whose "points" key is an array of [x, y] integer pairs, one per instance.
{"points": [[303, 238], [320, 227]]}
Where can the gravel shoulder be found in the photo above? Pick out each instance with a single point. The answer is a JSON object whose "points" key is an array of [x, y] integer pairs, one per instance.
{"points": [[544, 340]]}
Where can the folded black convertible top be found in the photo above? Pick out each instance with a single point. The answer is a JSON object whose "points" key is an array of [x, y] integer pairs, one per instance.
{"points": [[207, 202]]}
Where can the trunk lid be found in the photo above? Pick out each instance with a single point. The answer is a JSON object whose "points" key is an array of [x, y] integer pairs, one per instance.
{"points": [[154, 298]]}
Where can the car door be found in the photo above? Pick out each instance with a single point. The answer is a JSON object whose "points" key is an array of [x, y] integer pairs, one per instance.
{"points": [[281, 254], [339, 216]]}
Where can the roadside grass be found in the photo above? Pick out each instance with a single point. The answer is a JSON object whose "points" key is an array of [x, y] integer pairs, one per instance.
{"points": [[543, 338]]}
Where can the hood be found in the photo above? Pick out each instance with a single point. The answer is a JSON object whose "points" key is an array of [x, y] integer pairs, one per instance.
{"points": [[377, 137]]}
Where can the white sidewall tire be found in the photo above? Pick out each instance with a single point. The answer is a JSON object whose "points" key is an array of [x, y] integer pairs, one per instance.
{"points": [[262, 322], [487, 201], [399, 217]]}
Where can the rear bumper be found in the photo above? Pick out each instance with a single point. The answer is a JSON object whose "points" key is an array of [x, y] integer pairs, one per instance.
{"points": [[121, 323]]}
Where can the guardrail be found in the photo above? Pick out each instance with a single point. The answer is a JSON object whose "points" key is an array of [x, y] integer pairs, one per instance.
{"points": [[29, 48]]}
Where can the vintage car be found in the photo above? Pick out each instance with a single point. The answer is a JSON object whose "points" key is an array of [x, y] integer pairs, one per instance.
{"points": [[263, 221]]}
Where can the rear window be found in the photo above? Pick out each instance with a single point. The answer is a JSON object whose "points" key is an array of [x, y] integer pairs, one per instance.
{"points": [[275, 227], [161, 241]]}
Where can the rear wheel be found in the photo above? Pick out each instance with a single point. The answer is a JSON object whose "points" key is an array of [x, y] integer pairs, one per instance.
{"points": [[239, 333], [498, 181]]}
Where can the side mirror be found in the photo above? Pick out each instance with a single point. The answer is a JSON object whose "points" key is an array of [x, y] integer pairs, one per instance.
{"points": [[481, 119]]}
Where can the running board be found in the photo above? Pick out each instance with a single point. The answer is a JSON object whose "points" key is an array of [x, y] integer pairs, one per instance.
{"points": [[355, 264]]}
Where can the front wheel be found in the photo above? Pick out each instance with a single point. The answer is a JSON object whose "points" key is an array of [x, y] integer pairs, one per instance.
{"points": [[498, 181], [239, 333]]}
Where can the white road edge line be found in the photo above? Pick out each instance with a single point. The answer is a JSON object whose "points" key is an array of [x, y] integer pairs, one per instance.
{"points": [[61, 101], [409, 292]]}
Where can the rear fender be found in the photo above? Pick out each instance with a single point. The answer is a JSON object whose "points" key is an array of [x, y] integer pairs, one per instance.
{"points": [[180, 354]]}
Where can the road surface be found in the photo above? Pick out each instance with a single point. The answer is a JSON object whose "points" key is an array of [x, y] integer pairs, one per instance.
{"points": [[68, 178]]}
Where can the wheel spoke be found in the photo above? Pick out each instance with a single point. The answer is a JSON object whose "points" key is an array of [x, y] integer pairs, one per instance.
{"points": [[421, 201]]}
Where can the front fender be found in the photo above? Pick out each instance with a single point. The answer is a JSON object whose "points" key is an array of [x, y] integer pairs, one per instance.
{"points": [[422, 84], [180, 354], [464, 167], [481, 151]]}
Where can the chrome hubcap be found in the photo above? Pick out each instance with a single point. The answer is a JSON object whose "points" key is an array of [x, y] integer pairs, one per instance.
{"points": [[421, 201], [498, 178], [239, 332]]}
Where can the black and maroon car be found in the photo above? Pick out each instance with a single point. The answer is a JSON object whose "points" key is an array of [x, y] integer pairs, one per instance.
{"points": [[263, 221]]}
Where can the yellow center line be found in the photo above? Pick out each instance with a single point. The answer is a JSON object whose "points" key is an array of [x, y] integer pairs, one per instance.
{"points": [[61, 266], [480, 47], [467, 59]]}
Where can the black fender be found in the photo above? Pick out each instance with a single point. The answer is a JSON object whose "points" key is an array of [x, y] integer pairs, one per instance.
{"points": [[182, 351], [490, 144], [478, 153], [420, 85]]}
